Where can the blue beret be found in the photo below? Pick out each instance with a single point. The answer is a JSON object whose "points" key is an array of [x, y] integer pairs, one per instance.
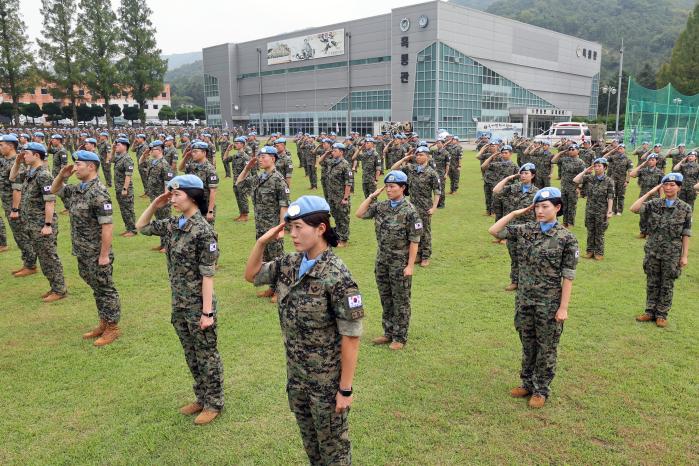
{"points": [[622, 146], [169, 138], [9, 138], [242, 139], [91, 140], [141, 135], [123, 141], [652, 155], [269, 150], [396, 176], [692, 152], [658, 145], [645, 143], [85, 156], [546, 143], [185, 182], [328, 140], [673, 177], [422, 149], [682, 145], [83, 135], [155, 144], [547, 194], [527, 167], [39, 134], [573, 147], [506, 147], [339, 145], [280, 141], [333, 133], [206, 135], [24, 135], [185, 135], [370, 139], [121, 135], [422, 144], [601, 160], [57, 136], [367, 135], [104, 133], [35, 146], [200, 145], [252, 133], [306, 205]]}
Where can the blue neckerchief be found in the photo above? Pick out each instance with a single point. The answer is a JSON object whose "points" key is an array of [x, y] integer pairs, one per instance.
{"points": [[526, 188], [336, 161], [83, 185], [669, 202], [32, 171], [181, 221], [306, 265], [395, 204], [547, 226], [264, 176], [154, 162], [599, 177], [420, 168]]}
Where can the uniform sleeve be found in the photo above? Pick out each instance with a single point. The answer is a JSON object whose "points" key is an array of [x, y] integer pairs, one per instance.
{"points": [[687, 227], [415, 228], [283, 194], [212, 179], [610, 189], [269, 273], [102, 209], [289, 167], [371, 211], [646, 207], [45, 181], [346, 304], [129, 168], [66, 193], [156, 227], [569, 260], [208, 253], [349, 177], [436, 185], [510, 232]]}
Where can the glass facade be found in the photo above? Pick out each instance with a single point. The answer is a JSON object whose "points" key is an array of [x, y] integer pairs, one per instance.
{"points": [[367, 100], [212, 101], [316, 122], [594, 94]]}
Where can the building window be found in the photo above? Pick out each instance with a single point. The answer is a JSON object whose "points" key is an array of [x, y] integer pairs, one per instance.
{"points": [[164, 94], [145, 107], [81, 92], [155, 107], [44, 91]]}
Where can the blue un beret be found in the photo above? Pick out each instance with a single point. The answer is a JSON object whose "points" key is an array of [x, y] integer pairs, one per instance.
{"points": [[36, 147], [91, 140], [155, 144], [269, 150], [9, 138], [185, 182], [39, 134], [547, 194], [200, 145], [396, 176], [339, 145], [242, 139], [104, 133], [141, 135], [85, 156], [306, 205], [280, 141], [601, 160], [506, 147], [422, 149], [57, 136], [673, 177], [169, 138], [123, 141], [527, 167], [422, 144]]}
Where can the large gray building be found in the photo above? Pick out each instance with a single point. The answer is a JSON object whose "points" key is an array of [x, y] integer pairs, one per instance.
{"points": [[437, 64]]}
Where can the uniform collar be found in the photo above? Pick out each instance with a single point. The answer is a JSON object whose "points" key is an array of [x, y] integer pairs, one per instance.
{"points": [[317, 270], [85, 185]]}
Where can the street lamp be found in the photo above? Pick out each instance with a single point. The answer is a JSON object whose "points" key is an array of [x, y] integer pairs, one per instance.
{"points": [[677, 101], [610, 91]]}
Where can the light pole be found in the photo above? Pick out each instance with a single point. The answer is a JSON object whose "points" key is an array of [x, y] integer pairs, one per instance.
{"points": [[609, 91], [677, 101]]}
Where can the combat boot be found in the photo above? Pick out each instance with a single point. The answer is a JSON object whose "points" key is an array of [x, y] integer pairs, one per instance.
{"points": [[268, 293], [129, 234], [425, 263], [644, 318], [537, 401], [396, 345], [24, 272], [382, 340], [589, 255], [191, 408], [111, 333], [661, 322], [4, 248], [97, 331], [599, 257], [206, 417], [54, 297], [273, 299], [519, 392], [511, 287]]}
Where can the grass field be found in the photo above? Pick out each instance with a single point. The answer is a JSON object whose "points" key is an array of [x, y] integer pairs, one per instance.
{"points": [[625, 393]]}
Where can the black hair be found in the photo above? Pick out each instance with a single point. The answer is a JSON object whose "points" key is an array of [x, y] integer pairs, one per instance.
{"points": [[316, 219], [197, 195], [42, 155]]}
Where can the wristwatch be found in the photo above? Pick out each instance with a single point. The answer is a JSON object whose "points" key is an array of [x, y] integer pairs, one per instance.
{"points": [[345, 393], [14, 209], [48, 224], [210, 314]]}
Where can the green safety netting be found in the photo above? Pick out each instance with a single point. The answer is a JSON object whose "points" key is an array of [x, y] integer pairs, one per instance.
{"points": [[662, 116]]}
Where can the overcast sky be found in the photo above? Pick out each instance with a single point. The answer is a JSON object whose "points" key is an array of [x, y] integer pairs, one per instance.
{"points": [[233, 21]]}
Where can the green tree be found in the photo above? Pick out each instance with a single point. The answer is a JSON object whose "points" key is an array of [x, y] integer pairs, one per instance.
{"points": [[99, 49], [52, 111], [16, 73], [142, 67], [59, 49], [31, 110], [84, 112], [98, 111], [7, 109], [132, 113], [199, 113], [166, 113], [114, 110], [683, 68], [185, 113], [646, 77]]}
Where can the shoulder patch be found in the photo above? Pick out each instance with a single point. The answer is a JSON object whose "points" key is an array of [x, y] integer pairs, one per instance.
{"points": [[107, 206], [418, 225], [213, 246], [287, 190], [47, 189], [354, 301]]}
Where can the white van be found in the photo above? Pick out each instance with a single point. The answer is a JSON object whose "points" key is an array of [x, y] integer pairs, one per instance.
{"points": [[572, 131]]}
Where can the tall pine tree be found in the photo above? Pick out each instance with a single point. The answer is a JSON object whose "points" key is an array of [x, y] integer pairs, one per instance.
{"points": [[683, 68], [16, 73], [99, 51], [59, 49], [142, 68]]}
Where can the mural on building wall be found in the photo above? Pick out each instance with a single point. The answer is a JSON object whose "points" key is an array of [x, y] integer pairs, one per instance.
{"points": [[309, 47]]}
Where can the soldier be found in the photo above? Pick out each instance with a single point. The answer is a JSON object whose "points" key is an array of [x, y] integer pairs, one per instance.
{"points": [[570, 165], [661, 158], [676, 154], [270, 199], [667, 246], [320, 312], [371, 166], [194, 162], [90, 210], [425, 190], [309, 159], [323, 160], [619, 170], [340, 179], [485, 152], [649, 176], [123, 176], [159, 175], [284, 164], [599, 189], [224, 144], [640, 151], [547, 256], [517, 196], [442, 159], [394, 150], [252, 142], [104, 152], [192, 253], [170, 154], [541, 157], [238, 162], [38, 217], [398, 229], [689, 168], [140, 146], [60, 155], [495, 168], [587, 155], [456, 154], [210, 148]]}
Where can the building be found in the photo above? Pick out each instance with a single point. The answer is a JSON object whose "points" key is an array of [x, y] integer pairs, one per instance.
{"points": [[437, 64]]}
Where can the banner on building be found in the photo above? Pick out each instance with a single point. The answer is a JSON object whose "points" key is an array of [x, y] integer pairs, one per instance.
{"points": [[498, 130], [319, 45]]}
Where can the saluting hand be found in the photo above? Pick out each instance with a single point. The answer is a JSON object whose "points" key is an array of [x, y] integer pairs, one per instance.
{"points": [[376, 193], [273, 234], [520, 212], [162, 200], [67, 171]]}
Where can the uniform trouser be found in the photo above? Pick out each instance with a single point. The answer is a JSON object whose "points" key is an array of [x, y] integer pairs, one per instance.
{"points": [[3, 233], [442, 180], [99, 278], [454, 177], [312, 173], [324, 432], [46, 251], [302, 159], [542, 181], [661, 273], [126, 208], [202, 356], [394, 292], [241, 198], [619, 195], [497, 206], [488, 192], [368, 186], [514, 264], [273, 249], [227, 166], [341, 213], [324, 185], [569, 197], [143, 171], [23, 241], [688, 195], [107, 171], [424, 250], [539, 333], [596, 225]]}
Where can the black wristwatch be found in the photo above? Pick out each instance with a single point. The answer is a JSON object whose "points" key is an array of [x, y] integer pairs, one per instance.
{"points": [[48, 224], [14, 209], [210, 314], [211, 212], [345, 393]]}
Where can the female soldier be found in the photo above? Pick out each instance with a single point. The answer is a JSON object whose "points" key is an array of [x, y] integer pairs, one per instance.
{"points": [[599, 190], [320, 312], [398, 232], [649, 175], [517, 196], [547, 255], [192, 251], [689, 168]]}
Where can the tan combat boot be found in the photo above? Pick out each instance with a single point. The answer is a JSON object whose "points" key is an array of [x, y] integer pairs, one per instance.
{"points": [[54, 297], [129, 234], [4, 248], [191, 408], [598, 257], [24, 272], [644, 318], [97, 331], [425, 263], [396, 345], [589, 255], [511, 287], [268, 293], [382, 340], [537, 401], [206, 417], [519, 392], [111, 333], [660, 322]]}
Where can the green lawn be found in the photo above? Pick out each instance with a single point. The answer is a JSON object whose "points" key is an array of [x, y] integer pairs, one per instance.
{"points": [[625, 393]]}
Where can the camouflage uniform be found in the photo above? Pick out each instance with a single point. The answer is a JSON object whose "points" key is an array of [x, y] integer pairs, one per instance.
{"points": [[339, 175], [498, 170], [666, 227], [310, 159], [192, 252], [517, 196], [588, 156], [159, 173], [677, 156], [394, 154], [544, 260], [570, 167], [123, 167], [648, 178], [90, 207], [619, 165], [284, 165], [638, 153], [542, 159], [226, 160], [170, 155], [315, 311], [441, 159], [238, 162], [598, 192], [454, 166], [36, 192], [690, 171], [103, 151], [207, 174], [423, 185], [371, 163], [19, 233], [323, 169], [142, 167], [59, 160]]}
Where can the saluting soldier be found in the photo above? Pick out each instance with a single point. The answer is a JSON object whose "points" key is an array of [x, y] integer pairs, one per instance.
{"points": [[340, 179], [194, 162], [140, 146], [649, 176], [123, 185], [284, 164], [170, 153], [454, 173], [103, 150], [570, 166], [640, 151], [619, 170], [599, 190], [159, 175], [238, 162], [541, 157], [371, 166], [310, 159], [689, 168], [442, 162], [224, 144]]}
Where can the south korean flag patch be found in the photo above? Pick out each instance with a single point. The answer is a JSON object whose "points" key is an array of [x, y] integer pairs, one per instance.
{"points": [[47, 189], [213, 247], [418, 225], [107, 207], [354, 304], [287, 190]]}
